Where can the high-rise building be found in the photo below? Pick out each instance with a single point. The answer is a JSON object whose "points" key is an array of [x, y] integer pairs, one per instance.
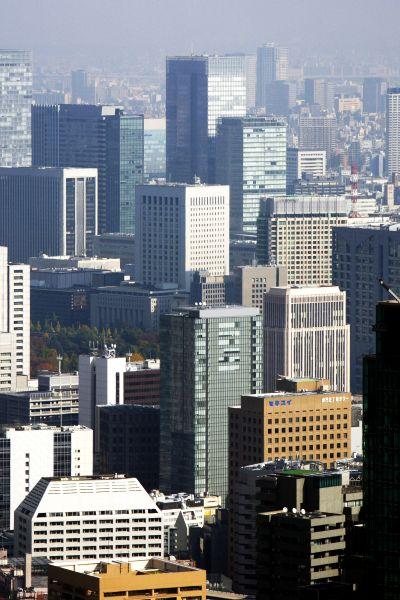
{"points": [[135, 578], [381, 429], [79, 518], [251, 159], [318, 133], [310, 162], [14, 322], [82, 91], [209, 358], [102, 137], [296, 549], [154, 148], [47, 210], [248, 284], [306, 335], [280, 98], [251, 80], [28, 453], [181, 229], [374, 90], [360, 255], [15, 108], [199, 90], [321, 92], [272, 65], [296, 232], [393, 131]]}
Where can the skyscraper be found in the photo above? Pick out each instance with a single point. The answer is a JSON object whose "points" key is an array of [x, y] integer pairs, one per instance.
{"points": [[209, 358], [199, 90], [381, 429], [82, 91], [15, 108], [310, 162], [51, 211], [318, 133], [103, 137], [393, 131], [296, 232], [374, 89], [181, 229], [272, 65], [14, 322], [251, 159], [306, 335], [320, 91]]}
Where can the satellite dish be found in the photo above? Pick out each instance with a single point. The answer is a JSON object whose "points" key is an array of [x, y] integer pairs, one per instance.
{"points": [[294, 510]]}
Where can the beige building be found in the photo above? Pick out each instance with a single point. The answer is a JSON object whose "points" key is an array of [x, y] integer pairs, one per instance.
{"points": [[148, 579], [296, 232], [248, 284]]}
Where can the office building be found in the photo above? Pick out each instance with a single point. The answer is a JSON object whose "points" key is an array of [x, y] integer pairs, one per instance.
{"points": [[140, 306], [154, 148], [351, 104], [381, 429], [318, 133], [299, 162], [207, 289], [15, 108], [14, 322], [270, 486], [79, 518], [251, 159], [142, 382], [82, 91], [374, 90], [272, 65], [225, 344], [242, 251], [181, 229], [361, 255], [306, 335], [140, 578], [304, 420], [30, 452], [321, 92], [295, 549], [115, 245], [101, 137], [296, 232], [69, 306], [280, 98], [129, 442], [248, 284], [47, 210], [392, 131], [199, 90], [251, 80], [310, 185], [55, 403]]}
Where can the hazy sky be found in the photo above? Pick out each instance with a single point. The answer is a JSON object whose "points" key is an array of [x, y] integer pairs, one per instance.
{"points": [[91, 28]]}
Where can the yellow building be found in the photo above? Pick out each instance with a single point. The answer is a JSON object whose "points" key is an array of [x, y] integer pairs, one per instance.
{"points": [[153, 579], [305, 421]]}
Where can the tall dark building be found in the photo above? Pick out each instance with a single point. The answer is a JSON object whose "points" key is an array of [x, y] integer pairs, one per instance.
{"points": [[374, 89], [199, 89], [104, 137], [382, 454]]}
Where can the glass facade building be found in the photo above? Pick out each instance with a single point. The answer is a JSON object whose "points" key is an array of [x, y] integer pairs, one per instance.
{"points": [[154, 149], [199, 90], [15, 108], [209, 358], [79, 135], [272, 65], [251, 159]]}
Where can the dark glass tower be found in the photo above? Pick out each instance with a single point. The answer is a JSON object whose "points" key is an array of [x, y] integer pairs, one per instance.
{"points": [[84, 135], [382, 454]]}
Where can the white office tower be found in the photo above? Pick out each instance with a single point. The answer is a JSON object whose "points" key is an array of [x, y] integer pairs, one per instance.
{"points": [[80, 518], [181, 229], [47, 210], [306, 335], [14, 322], [30, 452], [393, 131], [309, 162], [296, 232]]}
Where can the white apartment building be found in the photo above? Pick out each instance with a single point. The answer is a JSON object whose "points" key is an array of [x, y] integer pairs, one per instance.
{"points": [[306, 335], [296, 232], [30, 452], [14, 322], [81, 518], [393, 131], [181, 229], [311, 162]]}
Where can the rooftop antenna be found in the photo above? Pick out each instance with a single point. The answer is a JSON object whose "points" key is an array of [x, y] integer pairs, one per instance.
{"points": [[389, 290]]}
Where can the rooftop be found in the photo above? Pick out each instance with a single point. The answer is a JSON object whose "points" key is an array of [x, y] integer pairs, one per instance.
{"points": [[137, 567]]}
